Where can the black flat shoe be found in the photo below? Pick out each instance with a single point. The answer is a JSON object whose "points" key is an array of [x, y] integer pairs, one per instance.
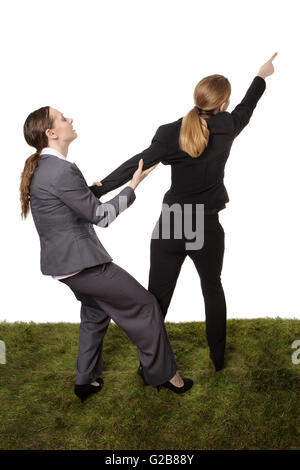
{"points": [[188, 383], [219, 365], [84, 390]]}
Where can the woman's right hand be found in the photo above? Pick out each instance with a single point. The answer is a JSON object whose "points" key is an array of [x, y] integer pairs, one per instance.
{"points": [[139, 174], [267, 69]]}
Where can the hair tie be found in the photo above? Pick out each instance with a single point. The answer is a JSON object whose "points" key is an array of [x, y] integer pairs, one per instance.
{"points": [[203, 112]]}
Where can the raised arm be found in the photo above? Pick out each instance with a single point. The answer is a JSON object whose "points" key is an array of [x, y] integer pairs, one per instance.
{"points": [[71, 188], [243, 111], [153, 154]]}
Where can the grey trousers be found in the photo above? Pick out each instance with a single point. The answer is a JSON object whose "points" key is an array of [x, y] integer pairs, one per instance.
{"points": [[108, 291]]}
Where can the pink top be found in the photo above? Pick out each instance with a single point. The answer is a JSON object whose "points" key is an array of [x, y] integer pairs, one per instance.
{"points": [[51, 151]]}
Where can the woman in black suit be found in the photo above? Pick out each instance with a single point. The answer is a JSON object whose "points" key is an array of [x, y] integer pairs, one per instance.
{"points": [[197, 147]]}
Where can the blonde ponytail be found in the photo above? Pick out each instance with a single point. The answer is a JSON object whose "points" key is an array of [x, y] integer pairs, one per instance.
{"points": [[194, 134], [209, 94]]}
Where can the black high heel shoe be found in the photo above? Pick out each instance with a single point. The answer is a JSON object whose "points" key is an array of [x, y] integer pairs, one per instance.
{"points": [[84, 390], [188, 383]]}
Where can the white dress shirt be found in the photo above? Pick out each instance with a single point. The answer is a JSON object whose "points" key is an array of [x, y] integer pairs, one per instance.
{"points": [[51, 151]]}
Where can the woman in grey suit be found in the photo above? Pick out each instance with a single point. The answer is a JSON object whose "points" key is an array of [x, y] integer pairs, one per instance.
{"points": [[64, 210]]}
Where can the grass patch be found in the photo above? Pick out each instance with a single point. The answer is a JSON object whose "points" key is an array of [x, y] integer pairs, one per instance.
{"points": [[251, 404]]}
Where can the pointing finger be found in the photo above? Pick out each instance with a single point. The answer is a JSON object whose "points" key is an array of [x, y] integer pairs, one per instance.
{"points": [[273, 56]]}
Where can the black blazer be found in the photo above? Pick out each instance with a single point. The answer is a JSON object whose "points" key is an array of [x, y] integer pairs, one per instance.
{"points": [[194, 180]]}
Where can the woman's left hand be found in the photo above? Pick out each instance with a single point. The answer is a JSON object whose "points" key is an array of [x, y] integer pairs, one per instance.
{"points": [[97, 183]]}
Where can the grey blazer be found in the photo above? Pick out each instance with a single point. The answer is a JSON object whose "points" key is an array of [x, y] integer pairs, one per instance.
{"points": [[64, 210]]}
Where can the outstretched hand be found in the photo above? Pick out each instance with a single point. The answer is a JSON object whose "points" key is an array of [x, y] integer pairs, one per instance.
{"points": [[139, 174], [268, 68]]}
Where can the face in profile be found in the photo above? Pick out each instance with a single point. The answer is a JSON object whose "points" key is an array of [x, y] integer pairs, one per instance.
{"points": [[62, 130]]}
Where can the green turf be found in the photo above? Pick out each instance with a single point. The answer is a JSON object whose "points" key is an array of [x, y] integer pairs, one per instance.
{"points": [[251, 404]]}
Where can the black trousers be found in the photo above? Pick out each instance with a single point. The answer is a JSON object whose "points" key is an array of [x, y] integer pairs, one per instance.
{"points": [[167, 256]]}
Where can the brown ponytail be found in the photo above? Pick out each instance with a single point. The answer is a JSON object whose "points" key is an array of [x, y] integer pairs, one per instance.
{"points": [[26, 177], [209, 94], [34, 132]]}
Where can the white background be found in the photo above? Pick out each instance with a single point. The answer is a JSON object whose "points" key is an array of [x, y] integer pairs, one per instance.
{"points": [[120, 69]]}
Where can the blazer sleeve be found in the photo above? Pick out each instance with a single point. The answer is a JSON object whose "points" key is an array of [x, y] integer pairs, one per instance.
{"points": [[71, 188], [155, 153], [242, 112]]}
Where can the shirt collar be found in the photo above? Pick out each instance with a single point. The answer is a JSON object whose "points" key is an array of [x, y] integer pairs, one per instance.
{"points": [[51, 151]]}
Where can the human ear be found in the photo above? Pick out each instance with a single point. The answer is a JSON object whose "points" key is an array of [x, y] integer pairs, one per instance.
{"points": [[50, 133]]}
